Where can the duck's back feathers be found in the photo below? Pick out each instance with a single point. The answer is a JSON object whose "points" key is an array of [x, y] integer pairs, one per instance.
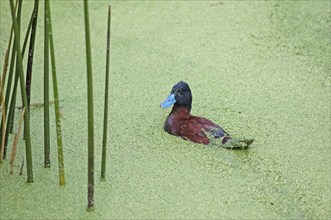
{"points": [[195, 131]]}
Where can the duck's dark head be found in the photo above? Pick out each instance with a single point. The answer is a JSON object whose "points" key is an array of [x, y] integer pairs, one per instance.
{"points": [[180, 95]]}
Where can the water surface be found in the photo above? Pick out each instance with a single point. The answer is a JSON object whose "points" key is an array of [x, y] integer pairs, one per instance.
{"points": [[260, 69]]}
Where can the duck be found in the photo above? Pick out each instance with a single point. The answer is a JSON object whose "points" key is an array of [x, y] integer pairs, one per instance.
{"points": [[196, 129]]}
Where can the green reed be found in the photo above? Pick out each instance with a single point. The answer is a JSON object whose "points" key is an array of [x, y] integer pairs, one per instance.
{"points": [[24, 98], [105, 121], [56, 98], [90, 181]]}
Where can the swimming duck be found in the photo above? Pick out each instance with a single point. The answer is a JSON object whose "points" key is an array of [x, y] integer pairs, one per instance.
{"points": [[200, 130]]}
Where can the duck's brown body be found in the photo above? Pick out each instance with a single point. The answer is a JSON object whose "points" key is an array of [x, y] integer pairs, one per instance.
{"points": [[181, 123]]}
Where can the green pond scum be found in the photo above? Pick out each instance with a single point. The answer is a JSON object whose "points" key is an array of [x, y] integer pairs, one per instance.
{"points": [[260, 69]]}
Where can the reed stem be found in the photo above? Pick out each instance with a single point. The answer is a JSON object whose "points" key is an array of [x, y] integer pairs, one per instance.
{"points": [[5, 66], [9, 83], [13, 99], [24, 98], [31, 52], [47, 160], [90, 184], [56, 99], [105, 119], [14, 148], [11, 113], [3, 118], [3, 126]]}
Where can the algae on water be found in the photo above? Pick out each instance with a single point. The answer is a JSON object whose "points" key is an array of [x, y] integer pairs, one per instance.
{"points": [[268, 60]]}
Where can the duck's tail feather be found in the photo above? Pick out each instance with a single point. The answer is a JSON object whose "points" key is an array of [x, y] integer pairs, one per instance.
{"points": [[220, 137], [238, 143]]}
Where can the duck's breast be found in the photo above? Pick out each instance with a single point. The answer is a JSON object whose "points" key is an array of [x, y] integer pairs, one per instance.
{"points": [[173, 125]]}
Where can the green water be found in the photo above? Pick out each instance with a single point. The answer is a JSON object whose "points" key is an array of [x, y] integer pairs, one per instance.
{"points": [[260, 69]]}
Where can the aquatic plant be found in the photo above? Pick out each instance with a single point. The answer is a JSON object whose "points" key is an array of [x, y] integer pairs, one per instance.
{"points": [[3, 118], [4, 101], [17, 76], [31, 52], [56, 96], [14, 148], [24, 97], [47, 160], [105, 119], [11, 112], [2, 95], [90, 181], [17, 54]]}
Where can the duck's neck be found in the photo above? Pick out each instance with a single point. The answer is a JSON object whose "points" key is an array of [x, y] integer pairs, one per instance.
{"points": [[181, 111]]}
